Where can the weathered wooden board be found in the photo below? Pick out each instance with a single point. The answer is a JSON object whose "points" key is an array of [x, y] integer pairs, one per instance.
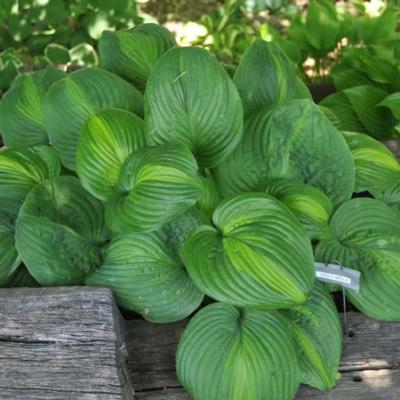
{"points": [[61, 343], [370, 366]]}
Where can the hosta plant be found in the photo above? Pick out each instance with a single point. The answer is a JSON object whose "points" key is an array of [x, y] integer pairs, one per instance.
{"points": [[196, 184]]}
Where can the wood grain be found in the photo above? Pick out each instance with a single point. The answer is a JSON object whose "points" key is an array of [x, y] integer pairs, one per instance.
{"points": [[371, 353], [61, 343]]}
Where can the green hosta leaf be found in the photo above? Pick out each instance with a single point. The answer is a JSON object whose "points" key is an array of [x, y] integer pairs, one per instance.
{"points": [[393, 103], [20, 170], [376, 167], [211, 196], [132, 53], [147, 276], [60, 232], [244, 259], [191, 99], [105, 142], [380, 70], [155, 186], [311, 207], [391, 196], [265, 77], [73, 100], [366, 236], [230, 353], [312, 323], [377, 120], [345, 76], [291, 141], [341, 106], [9, 260], [331, 116], [57, 54], [21, 108], [322, 26], [180, 228]]}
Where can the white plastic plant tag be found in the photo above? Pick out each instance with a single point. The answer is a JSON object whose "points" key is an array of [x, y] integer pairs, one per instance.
{"points": [[332, 273]]}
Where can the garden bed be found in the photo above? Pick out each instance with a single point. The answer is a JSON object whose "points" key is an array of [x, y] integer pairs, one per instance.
{"points": [[63, 343]]}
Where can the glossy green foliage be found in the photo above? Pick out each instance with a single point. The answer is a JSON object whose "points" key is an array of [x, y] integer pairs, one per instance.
{"points": [[376, 166], [365, 235], [21, 108], [106, 140], [132, 53], [266, 77], [71, 101], [20, 170], [60, 232], [231, 353], [242, 259], [191, 99], [318, 333], [311, 150], [311, 207], [359, 110], [146, 274], [155, 186]]}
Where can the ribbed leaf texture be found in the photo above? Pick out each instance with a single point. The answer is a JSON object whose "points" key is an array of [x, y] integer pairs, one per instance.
{"points": [[156, 185], [21, 108], [146, 274], [376, 166], [191, 99], [230, 353], [311, 207], [71, 101], [366, 236], [265, 77], [60, 232], [292, 141], [256, 254], [132, 53], [105, 142], [20, 170], [318, 333]]}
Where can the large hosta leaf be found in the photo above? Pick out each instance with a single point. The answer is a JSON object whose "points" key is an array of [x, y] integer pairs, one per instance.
{"points": [[21, 108], [292, 141], [230, 353], [156, 185], [191, 99], [105, 142], [358, 109], [265, 77], [71, 101], [366, 236], [376, 167], [20, 170], [132, 53], [211, 196], [9, 260], [146, 274], [60, 232], [391, 196], [256, 255], [312, 207], [312, 323]]}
